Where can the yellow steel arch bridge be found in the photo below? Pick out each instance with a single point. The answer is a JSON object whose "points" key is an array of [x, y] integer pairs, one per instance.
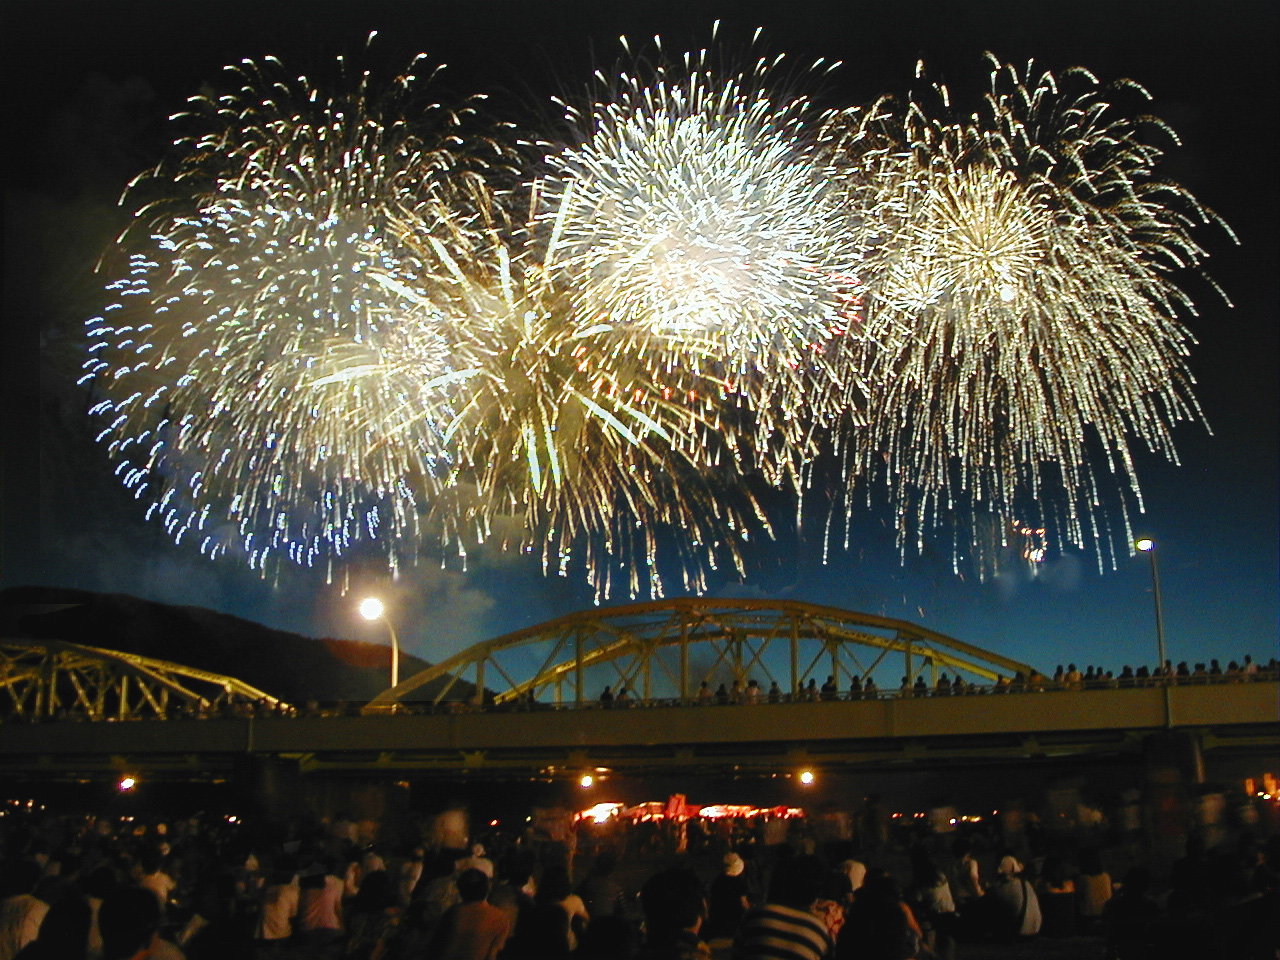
{"points": [[665, 650], [54, 679]]}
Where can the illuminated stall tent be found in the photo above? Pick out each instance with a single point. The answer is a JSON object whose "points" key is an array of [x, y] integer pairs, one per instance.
{"points": [[663, 651]]}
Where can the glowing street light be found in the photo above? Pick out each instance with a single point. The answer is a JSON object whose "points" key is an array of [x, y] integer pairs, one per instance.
{"points": [[806, 777], [372, 608], [1148, 546]]}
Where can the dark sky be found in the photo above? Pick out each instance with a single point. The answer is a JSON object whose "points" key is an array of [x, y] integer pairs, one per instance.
{"points": [[89, 86]]}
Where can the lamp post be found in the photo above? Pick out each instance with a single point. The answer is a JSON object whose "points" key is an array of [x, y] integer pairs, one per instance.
{"points": [[1148, 546], [371, 608]]}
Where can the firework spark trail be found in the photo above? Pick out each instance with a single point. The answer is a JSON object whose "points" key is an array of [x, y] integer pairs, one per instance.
{"points": [[1030, 247], [596, 451], [260, 392], [334, 329], [693, 211]]}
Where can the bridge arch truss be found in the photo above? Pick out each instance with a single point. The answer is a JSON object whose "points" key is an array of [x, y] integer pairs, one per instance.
{"points": [[54, 679], [665, 650]]}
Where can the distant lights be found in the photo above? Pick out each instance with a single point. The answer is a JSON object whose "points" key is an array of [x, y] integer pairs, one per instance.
{"points": [[127, 783], [806, 777], [1145, 545], [586, 780]]}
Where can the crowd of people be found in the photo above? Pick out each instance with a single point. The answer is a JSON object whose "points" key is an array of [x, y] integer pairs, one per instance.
{"points": [[86, 888], [863, 687]]}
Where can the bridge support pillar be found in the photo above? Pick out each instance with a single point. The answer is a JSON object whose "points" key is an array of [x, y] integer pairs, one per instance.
{"points": [[277, 789], [1176, 750], [1174, 764]]}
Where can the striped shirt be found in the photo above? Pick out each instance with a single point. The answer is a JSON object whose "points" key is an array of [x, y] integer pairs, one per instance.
{"points": [[775, 932]]}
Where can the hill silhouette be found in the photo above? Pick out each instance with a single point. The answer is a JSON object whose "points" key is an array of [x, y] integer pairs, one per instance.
{"points": [[286, 665]]}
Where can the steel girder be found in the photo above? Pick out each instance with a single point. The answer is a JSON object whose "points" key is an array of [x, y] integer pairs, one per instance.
{"points": [[665, 649], [47, 679]]}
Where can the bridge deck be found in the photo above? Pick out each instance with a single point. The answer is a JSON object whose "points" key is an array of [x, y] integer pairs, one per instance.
{"points": [[830, 734]]}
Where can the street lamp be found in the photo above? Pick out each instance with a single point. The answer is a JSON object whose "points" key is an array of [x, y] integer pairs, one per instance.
{"points": [[1148, 546], [371, 608]]}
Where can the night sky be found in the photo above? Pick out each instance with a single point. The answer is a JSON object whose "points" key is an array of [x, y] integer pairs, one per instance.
{"points": [[88, 90]]}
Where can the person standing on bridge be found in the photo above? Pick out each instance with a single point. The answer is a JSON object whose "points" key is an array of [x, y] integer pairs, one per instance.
{"points": [[606, 698]]}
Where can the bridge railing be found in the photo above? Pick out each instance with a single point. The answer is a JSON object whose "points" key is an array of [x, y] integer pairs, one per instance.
{"points": [[353, 708]]}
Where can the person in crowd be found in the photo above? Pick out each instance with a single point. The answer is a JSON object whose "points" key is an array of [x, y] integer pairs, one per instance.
{"points": [[920, 688], [1057, 893], [775, 692], [1094, 889], [1132, 918], [374, 918], [932, 903], [130, 924], [606, 698], [555, 890], [1016, 898], [320, 906], [674, 906], [968, 887], [600, 892], [411, 868], [473, 928], [856, 871], [880, 925], [279, 907], [729, 900], [608, 938], [98, 885], [834, 898], [439, 890], [64, 934], [785, 918], [21, 911], [151, 876], [704, 693], [513, 895], [475, 860]]}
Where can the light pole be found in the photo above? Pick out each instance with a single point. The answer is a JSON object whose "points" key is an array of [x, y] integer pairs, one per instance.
{"points": [[371, 608], [1148, 546]]}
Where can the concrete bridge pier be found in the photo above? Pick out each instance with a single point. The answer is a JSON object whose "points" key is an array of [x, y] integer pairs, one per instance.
{"points": [[275, 787]]}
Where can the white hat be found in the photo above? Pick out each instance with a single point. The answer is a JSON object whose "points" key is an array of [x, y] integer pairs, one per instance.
{"points": [[1009, 865]]}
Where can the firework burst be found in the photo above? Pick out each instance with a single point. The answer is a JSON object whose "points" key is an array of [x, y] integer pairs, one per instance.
{"points": [[693, 211], [1029, 248], [259, 390], [596, 451]]}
